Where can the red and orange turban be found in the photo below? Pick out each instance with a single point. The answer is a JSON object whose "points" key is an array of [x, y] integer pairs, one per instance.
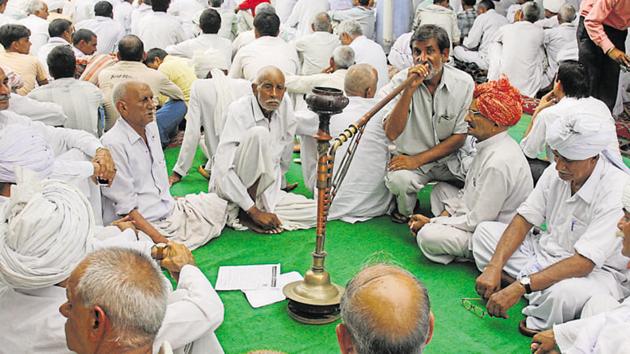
{"points": [[499, 101]]}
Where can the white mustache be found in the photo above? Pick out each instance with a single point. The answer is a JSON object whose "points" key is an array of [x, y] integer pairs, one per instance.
{"points": [[273, 101], [5, 97], [619, 233]]}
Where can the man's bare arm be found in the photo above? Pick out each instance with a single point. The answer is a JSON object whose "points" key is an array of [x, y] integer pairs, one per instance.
{"points": [[397, 120], [444, 148], [576, 266], [143, 225]]}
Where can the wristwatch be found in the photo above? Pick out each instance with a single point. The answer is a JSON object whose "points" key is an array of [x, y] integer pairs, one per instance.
{"points": [[526, 283], [158, 251]]}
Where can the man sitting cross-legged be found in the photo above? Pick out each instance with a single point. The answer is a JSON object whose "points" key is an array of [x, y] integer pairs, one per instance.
{"points": [[496, 184], [140, 189], [248, 163], [575, 258]]}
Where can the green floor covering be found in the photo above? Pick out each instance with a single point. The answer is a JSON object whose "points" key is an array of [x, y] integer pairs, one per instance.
{"points": [[349, 247]]}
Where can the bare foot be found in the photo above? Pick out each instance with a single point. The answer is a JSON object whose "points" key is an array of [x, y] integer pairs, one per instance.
{"points": [[247, 221]]}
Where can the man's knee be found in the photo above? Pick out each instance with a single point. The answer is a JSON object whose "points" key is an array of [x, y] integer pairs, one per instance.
{"points": [[484, 241], [573, 292], [430, 238], [400, 182]]}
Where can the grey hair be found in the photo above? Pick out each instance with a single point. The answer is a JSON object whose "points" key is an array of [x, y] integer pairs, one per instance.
{"points": [[34, 6], [367, 336], [351, 27], [321, 22], [130, 289], [265, 7], [566, 14], [531, 11], [359, 78], [121, 90], [343, 56]]}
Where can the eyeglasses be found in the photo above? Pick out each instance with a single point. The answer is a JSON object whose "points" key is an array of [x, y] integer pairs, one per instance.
{"points": [[477, 310]]}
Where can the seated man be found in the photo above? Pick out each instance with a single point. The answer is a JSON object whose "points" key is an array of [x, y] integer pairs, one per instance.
{"points": [[140, 190], [440, 14], [15, 40], [366, 51], [177, 70], [496, 184], [248, 163], [551, 10], [560, 42], [377, 321], [315, 49], [579, 201], [426, 123], [363, 12], [598, 331]]}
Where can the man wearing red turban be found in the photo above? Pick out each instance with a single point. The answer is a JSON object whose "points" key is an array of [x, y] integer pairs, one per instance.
{"points": [[498, 180]]}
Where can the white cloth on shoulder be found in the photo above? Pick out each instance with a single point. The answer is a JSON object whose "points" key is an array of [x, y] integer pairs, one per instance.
{"points": [[23, 146]]}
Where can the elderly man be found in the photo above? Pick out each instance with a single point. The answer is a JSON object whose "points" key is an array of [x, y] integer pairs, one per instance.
{"points": [[377, 321], [496, 184], [36, 22], [140, 190], [60, 32], [597, 331], [108, 31], [602, 33], [16, 43], [483, 33], [426, 123], [521, 55], [559, 269], [366, 51], [249, 166], [362, 12], [560, 42], [315, 49], [266, 49], [303, 14], [130, 67]]}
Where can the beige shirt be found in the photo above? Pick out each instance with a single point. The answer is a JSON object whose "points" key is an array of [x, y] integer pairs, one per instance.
{"points": [[27, 66], [109, 77]]}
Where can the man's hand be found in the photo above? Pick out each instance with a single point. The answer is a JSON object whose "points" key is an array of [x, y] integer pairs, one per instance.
{"points": [[174, 178], [544, 342], [176, 256], [125, 223], [403, 162], [420, 72], [547, 100], [500, 302], [619, 57], [328, 70], [107, 168], [416, 222], [488, 282], [268, 221]]}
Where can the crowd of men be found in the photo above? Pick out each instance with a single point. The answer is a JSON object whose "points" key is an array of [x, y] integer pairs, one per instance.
{"points": [[92, 92]]}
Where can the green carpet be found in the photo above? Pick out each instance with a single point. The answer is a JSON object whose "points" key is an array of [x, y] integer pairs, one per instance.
{"points": [[349, 248]]}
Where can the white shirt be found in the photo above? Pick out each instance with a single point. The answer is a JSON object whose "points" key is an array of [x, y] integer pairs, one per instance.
{"points": [[303, 14], [200, 44], [340, 4], [439, 16], [511, 12], [78, 99], [243, 39], [400, 54], [141, 180], [83, 10], [204, 97], [315, 51], [262, 52], [583, 223], [188, 12], [159, 30], [497, 183], [550, 22], [39, 32], [122, 14], [31, 321], [301, 85], [560, 39], [535, 142], [243, 114], [484, 31], [43, 52], [138, 14], [522, 56], [108, 33], [44, 112], [228, 19], [284, 8], [365, 16], [366, 51]]}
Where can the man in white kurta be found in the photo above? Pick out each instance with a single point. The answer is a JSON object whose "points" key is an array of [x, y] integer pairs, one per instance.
{"points": [[303, 14], [560, 42], [108, 31], [141, 190], [400, 54], [138, 14], [577, 257], [426, 123], [483, 33], [361, 12], [439, 14], [366, 51], [248, 165], [315, 49], [266, 49], [61, 34], [497, 182], [37, 24], [158, 29]]}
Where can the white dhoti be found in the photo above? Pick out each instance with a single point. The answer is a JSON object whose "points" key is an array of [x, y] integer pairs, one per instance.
{"points": [[195, 220], [560, 302], [405, 184], [470, 56]]}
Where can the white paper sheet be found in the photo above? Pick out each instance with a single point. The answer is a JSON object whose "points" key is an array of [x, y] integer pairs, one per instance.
{"points": [[250, 277], [268, 296]]}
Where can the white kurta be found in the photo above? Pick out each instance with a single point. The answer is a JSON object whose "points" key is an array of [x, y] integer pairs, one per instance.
{"points": [[262, 52], [300, 85], [138, 14], [200, 44], [365, 16], [400, 54], [122, 14], [584, 223], [31, 322], [45, 112], [482, 34], [498, 181], [366, 51], [284, 8], [160, 30], [43, 52], [439, 16], [108, 33], [560, 40], [303, 14], [315, 51]]}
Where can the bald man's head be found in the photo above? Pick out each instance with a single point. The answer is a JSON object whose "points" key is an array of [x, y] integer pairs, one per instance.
{"points": [[361, 80], [134, 102], [385, 309], [269, 88]]}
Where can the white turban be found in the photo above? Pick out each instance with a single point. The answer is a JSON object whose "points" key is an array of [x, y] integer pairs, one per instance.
{"points": [[46, 230], [21, 145], [553, 5], [55, 4], [210, 59], [578, 136], [625, 198]]}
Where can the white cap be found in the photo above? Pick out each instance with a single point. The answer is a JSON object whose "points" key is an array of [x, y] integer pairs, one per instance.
{"points": [[553, 5]]}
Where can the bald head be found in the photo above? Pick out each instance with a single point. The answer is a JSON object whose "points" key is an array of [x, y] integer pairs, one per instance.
{"points": [[361, 80], [134, 101], [385, 309], [269, 88]]}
